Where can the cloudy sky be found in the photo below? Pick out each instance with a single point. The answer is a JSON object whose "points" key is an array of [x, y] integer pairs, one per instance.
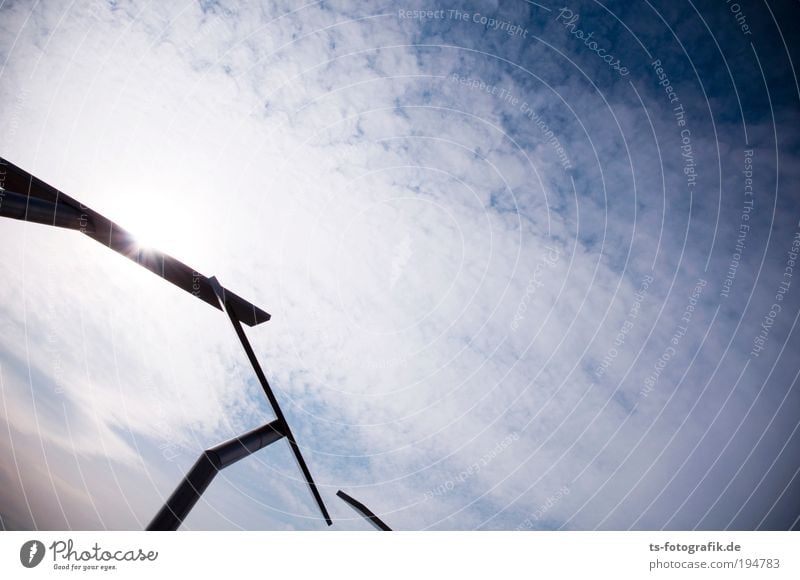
{"points": [[530, 265]]}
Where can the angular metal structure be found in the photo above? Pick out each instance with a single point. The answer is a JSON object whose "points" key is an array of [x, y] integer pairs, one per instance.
{"points": [[202, 473], [27, 198], [273, 401], [364, 511]]}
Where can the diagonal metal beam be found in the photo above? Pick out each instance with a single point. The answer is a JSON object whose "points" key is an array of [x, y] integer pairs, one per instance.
{"points": [[273, 401], [212, 461], [28, 198], [364, 511]]}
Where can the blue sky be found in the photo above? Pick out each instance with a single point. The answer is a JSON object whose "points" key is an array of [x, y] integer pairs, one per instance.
{"points": [[499, 245]]}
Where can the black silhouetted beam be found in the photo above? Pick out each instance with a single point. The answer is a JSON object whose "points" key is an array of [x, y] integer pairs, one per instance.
{"points": [[185, 496], [364, 511], [273, 401], [28, 198]]}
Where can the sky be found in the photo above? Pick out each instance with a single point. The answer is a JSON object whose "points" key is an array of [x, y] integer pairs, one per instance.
{"points": [[531, 266]]}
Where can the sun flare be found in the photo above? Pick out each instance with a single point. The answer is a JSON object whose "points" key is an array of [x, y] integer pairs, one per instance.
{"points": [[161, 227]]}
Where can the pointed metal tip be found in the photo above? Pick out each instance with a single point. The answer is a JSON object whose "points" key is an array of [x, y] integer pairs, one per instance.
{"points": [[364, 511]]}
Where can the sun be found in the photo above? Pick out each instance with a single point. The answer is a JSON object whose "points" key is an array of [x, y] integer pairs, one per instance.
{"points": [[158, 226], [153, 233]]}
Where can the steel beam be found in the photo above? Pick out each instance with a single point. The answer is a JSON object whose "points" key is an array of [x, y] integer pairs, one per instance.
{"points": [[364, 511], [28, 198], [202, 473]]}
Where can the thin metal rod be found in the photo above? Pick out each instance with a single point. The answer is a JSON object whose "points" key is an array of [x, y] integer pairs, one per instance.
{"points": [[273, 401], [183, 499], [28, 198], [364, 511]]}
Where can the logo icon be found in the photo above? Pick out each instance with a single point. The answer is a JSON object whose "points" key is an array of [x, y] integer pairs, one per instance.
{"points": [[31, 553]]}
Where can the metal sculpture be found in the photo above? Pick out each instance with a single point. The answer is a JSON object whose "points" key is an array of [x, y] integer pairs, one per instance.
{"points": [[27, 198]]}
